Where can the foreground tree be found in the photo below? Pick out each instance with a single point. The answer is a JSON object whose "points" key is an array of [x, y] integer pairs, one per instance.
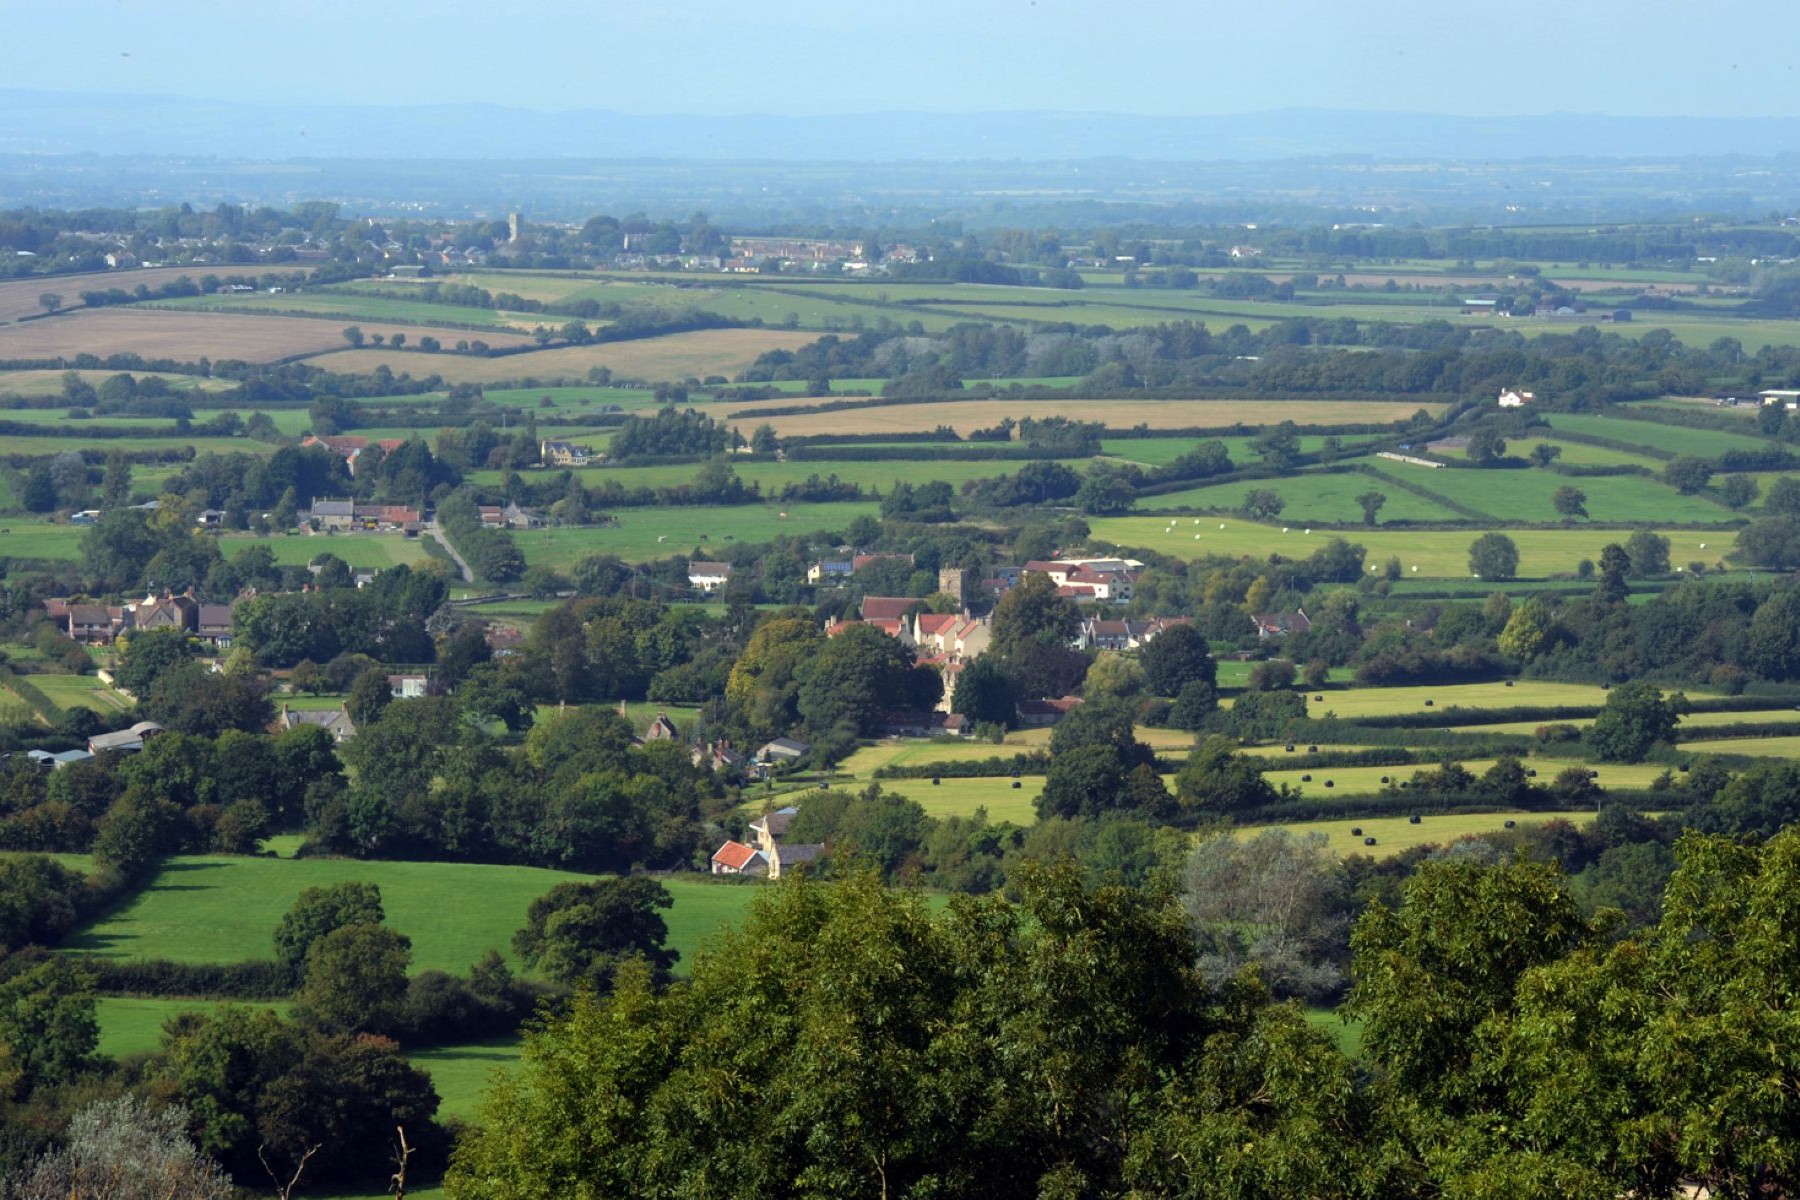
{"points": [[122, 1149], [585, 932], [1061, 1045]]}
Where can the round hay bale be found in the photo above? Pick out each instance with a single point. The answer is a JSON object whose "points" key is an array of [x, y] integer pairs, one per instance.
{"points": [[1017, 785], [1510, 824], [935, 781], [1368, 841], [1306, 779], [1328, 783], [1430, 703], [1312, 749], [1356, 831], [1384, 779], [1413, 820], [1290, 747]]}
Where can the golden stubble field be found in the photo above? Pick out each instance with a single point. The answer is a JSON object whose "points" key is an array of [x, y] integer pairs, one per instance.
{"points": [[674, 356], [19, 297], [968, 415], [187, 336]]}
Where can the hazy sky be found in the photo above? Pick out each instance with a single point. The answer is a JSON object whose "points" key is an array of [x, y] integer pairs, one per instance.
{"points": [[1175, 57]]}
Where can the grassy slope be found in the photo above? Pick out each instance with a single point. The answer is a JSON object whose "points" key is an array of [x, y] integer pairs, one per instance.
{"points": [[202, 909]]}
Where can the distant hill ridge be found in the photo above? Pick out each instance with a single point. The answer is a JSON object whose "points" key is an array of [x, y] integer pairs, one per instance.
{"points": [[39, 122]]}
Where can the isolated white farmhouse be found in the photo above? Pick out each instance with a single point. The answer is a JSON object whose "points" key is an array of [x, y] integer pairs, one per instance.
{"points": [[1515, 399]]}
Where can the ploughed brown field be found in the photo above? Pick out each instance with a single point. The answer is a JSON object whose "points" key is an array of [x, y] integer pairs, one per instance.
{"points": [[187, 336]]}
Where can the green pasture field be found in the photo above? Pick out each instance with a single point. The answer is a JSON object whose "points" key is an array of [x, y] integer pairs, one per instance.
{"points": [[358, 550], [1366, 781], [1699, 720], [1310, 496], [1436, 553], [331, 304], [1759, 747], [59, 419], [1525, 495], [80, 863], [635, 537], [50, 383], [37, 446], [80, 691], [548, 286], [1236, 674], [1673, 439], [1579, 454], [13, 709], [1346, 1035], [1161, 451], [1355, 702], [133, 1024], [462, 1073], [961, 797], [629, 399], [1394, 835], [26, 538], [212, 909], [771, 476]]}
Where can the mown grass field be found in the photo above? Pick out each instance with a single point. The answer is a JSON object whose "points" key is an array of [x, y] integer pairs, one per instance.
{"points": [[1759, 747], [710, 529], [210, 909], [1436, 553], [1674, 439], [1580, 454], [673, 356], [1526, 495], [1313, 496], [80, 691]]}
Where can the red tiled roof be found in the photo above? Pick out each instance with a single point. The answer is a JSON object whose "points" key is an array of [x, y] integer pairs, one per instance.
{"points": [[734, 855], [888, 608]]}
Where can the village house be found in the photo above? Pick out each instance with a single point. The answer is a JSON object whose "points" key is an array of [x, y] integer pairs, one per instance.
{"points": [[1098, 634], [662, 730], [1512, 398], [555, 453], [406, 687], [709, 577], [1275, 625], [735, 858], [335, 721]]}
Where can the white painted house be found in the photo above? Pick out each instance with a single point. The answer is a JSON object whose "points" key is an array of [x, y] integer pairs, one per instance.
{"points": [[1515, 399]]}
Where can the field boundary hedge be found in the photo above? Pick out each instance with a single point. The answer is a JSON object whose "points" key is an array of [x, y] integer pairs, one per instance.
{"points": [[258, 979]]}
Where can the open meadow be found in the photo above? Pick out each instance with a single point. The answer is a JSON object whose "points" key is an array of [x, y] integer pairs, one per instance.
{"points": [[1435, 552], [225, 909], [645, 534]]}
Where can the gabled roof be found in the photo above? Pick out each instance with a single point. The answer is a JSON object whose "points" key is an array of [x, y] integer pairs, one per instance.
{"points": [[736, 856], [886, 608], [934, 623], [719, 569]]}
